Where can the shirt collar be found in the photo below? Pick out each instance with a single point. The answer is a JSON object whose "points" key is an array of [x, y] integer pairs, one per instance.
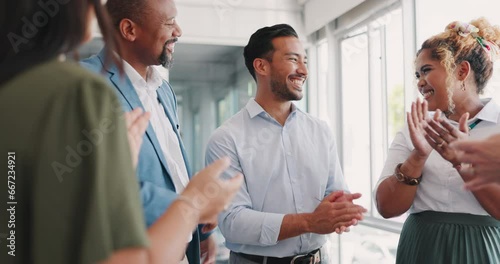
{"points": [[254, 109], [490, 111], [154, 79]]}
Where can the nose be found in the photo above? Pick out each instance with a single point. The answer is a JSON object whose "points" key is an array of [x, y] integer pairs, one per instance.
{"points": [[302, 69], [421, 82], [177, 31]]}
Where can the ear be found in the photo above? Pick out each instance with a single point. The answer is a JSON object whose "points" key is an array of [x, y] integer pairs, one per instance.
{"points": [[128, 29], [463, 70], [261, 66]]}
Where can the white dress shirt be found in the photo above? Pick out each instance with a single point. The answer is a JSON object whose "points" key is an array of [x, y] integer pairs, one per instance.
{"points": [[441, 188], [288, 170], [169, 143]]}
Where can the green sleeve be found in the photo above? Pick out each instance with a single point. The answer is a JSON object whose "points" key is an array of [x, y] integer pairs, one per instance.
{"points": [[86, 202]]}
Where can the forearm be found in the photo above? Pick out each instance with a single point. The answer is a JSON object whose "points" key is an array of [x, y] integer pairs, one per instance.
{"points": [[249, 227], [294, 225], [488, 197], [164, 235], [393, 197], [168, 234]]}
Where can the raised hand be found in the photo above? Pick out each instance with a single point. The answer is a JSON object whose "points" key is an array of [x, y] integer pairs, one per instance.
{"points": [[210, 194], [440, 133], [416, 125], [136, 122], [484, 159]]}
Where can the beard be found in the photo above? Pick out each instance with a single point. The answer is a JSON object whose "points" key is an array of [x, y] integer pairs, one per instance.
{"points": [[281, 90], [164, 59]]}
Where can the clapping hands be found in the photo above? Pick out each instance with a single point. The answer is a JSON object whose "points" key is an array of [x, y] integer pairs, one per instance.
{"points": [[435, 133]]}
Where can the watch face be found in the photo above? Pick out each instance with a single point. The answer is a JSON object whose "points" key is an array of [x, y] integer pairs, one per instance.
{"points": [[400, 177], [413, 182]]}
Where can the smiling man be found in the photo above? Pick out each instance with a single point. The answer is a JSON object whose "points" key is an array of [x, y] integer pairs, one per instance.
{"points": [[293, 191], [147, 32]]}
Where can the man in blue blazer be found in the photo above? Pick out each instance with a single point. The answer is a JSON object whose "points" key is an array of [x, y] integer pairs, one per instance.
{"points": [[147, 32]]}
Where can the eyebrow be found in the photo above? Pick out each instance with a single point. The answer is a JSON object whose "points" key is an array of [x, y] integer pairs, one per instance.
{"points": [[166, 19], [423, 66], [294, 54]]}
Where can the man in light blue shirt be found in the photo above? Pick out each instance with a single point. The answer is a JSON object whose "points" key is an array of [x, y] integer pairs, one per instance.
{"points": [[294, 191]]}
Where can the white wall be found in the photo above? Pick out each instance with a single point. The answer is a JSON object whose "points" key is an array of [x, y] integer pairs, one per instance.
{"points": [[318, 13], [231, 22]]}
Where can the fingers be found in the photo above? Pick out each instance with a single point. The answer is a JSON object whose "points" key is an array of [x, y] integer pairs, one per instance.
{"points": [[217, 167], [425, 108], [467, 157], [470, 146], [353, 196], [332, 197], [477, 184], [141, 124], [420, 115], [414, 113], [441, 131], [411, 124], [349, 197], [462, 123], [131, 116], [137, 122], [348, 208], [209, 227], [450, 132], [437, 115]]}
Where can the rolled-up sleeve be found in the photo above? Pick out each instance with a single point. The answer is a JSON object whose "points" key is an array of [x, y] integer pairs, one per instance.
{"points": [[240, 223]]}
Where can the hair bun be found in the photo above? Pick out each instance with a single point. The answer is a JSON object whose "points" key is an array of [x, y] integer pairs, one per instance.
{"points": [[463, 29]]}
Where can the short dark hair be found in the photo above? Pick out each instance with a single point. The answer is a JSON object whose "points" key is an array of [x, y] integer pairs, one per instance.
{"points": [[260, 44], [135, 10], [38, 31]]}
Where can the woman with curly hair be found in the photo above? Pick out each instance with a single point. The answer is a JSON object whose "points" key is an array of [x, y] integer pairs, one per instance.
{"points": [[447, 224]]}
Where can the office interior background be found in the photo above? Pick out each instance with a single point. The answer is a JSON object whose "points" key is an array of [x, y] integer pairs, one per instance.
{"points": [[361, 82]]}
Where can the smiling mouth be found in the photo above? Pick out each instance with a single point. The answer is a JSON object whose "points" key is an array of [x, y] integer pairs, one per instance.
{"points": [[427, 93], [297, 83], [170, 45]]}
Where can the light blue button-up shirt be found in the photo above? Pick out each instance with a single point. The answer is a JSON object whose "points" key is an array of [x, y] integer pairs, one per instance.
{"points": [[288, 170]]}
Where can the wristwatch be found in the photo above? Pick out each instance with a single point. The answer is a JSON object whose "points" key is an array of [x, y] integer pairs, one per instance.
{"points": [[404, 178]]}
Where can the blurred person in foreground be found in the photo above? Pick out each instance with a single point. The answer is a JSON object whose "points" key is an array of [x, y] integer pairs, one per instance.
{"points": [[147, 32], [483, 158], [72, 155]]}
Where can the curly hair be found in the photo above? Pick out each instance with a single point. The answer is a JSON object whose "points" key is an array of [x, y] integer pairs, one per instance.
{"points": [[450, 48]]}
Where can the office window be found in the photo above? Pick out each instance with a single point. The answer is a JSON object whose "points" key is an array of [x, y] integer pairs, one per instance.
{"points": [[356, 113], [372, 96]]}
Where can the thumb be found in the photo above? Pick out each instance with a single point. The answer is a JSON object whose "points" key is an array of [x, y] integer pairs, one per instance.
{"points": [[437, 115], [462, 123], [334, 196]]}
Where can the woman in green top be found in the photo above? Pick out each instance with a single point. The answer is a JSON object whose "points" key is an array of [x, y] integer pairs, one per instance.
{"points": [[72, 193]]}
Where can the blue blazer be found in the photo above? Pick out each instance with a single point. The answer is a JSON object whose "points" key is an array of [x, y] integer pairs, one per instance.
{"points": [[157, 187]]}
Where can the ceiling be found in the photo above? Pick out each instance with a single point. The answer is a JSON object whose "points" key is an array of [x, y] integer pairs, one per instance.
{"points": [[192, 62], [197, 62]]}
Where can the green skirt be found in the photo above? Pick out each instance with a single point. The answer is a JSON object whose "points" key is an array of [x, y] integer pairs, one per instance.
{"points": [[449, 238]]}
